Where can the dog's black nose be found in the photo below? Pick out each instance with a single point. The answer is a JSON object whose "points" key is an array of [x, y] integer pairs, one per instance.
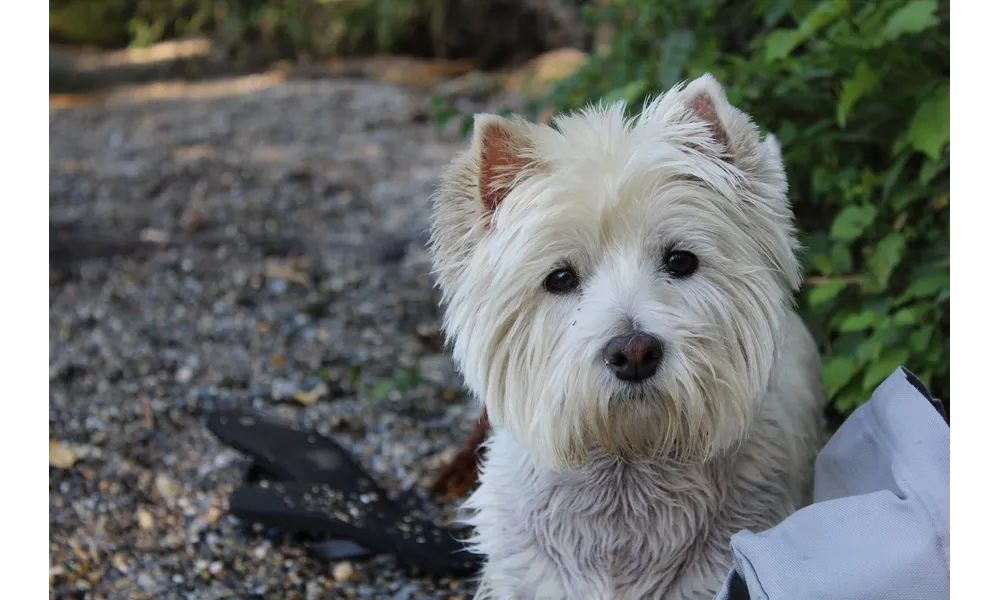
{"points": [[633, 356]]}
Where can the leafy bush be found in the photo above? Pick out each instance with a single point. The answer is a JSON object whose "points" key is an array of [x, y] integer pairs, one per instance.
{"points": [[858, 94], [100, 23], [319, 27], [490, 31]]}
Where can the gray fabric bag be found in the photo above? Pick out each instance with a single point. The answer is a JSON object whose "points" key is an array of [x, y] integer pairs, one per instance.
{"points": [[879, 528]]}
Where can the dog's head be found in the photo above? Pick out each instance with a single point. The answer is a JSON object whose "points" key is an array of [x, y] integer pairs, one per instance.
{"points": [[618, 282]]}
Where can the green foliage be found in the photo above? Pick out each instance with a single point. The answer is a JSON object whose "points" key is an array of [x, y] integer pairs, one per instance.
{"points": [[402, 382], [97, 22], [317, 27], [154, 20], [858, 94]]}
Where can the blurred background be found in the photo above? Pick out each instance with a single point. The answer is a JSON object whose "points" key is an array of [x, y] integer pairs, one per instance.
{"points": [[237, 217]]}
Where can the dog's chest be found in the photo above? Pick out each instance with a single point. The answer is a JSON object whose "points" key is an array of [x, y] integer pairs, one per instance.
{"points": [[615, 531], [641, 525]]}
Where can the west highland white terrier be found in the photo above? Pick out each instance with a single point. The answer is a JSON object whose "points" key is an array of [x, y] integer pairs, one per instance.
{"points": [[619, 295]]}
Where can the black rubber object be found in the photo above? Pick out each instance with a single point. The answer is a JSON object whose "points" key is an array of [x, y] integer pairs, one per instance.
{"points": [[303, 483]]}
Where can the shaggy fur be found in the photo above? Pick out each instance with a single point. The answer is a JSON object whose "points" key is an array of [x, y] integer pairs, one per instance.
{"points": [[593, 487]]}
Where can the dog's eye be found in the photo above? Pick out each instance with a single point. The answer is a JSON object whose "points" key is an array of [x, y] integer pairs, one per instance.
{"points": [[680, 263], [561, 281]]}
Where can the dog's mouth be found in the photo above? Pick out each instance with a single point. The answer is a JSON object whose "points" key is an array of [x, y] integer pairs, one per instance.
{"points": [[642, 391]]}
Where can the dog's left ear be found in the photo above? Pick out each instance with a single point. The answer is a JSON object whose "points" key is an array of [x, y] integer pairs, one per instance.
{"points": [[734, 136], [706, 100]]}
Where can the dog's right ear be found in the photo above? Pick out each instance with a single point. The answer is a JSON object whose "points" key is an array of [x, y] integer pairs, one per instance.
{"points": [[501, 150], [473, 186]]}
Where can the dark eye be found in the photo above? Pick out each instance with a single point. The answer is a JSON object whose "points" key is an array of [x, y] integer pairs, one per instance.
{"points": [[680, 263], [561, 281]]}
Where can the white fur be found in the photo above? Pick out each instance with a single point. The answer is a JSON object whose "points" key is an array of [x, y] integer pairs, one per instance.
{"points": [[593, 488]]}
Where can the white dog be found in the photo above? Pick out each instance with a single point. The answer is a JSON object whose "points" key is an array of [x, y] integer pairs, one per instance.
{"points": [[619, 295]]}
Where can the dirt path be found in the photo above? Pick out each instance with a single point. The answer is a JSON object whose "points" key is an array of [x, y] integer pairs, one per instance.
{"points": [[232, 243]]}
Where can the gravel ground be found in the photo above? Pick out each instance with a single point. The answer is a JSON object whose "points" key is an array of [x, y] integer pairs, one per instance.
{"points": [[284, 269]]}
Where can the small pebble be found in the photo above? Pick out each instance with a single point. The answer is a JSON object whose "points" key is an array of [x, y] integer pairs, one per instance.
{"points": [[120, 563], [184, 375], [314, 590], [148, 583], [282, 389], [60, 456], [166, 487], [310, 397], [342, 571], [145, 519], [261, 551]]}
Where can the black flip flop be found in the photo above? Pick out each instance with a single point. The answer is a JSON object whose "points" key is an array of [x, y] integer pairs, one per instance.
{"points": [[286, 453], [303, 482]]}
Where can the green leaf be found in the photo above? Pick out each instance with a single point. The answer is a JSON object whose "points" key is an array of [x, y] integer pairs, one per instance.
{"points": [[821, 16], [885, 334], [826, 291], [883, 367], [904, 196], [930, 170], [381, 390], [842, 259], [926, 285], [822, 263], [868, 350], [864, 81], [401, 382], [858, 322], [848, 401], [869, 181], [845, 344], [921, 338], [914, 17], [930, 128], [892, 175], [880, 305], [852, 222], [906, 317], [935, 352], [888, 252], [780, 43], [837, 372], [775, 11], [675, 53], [900, 143]]}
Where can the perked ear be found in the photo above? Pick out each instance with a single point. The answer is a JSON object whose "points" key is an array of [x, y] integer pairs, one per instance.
{"points": [[707, 100], [500, 147], [772, 146], [472, 187], [704, 101]]}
